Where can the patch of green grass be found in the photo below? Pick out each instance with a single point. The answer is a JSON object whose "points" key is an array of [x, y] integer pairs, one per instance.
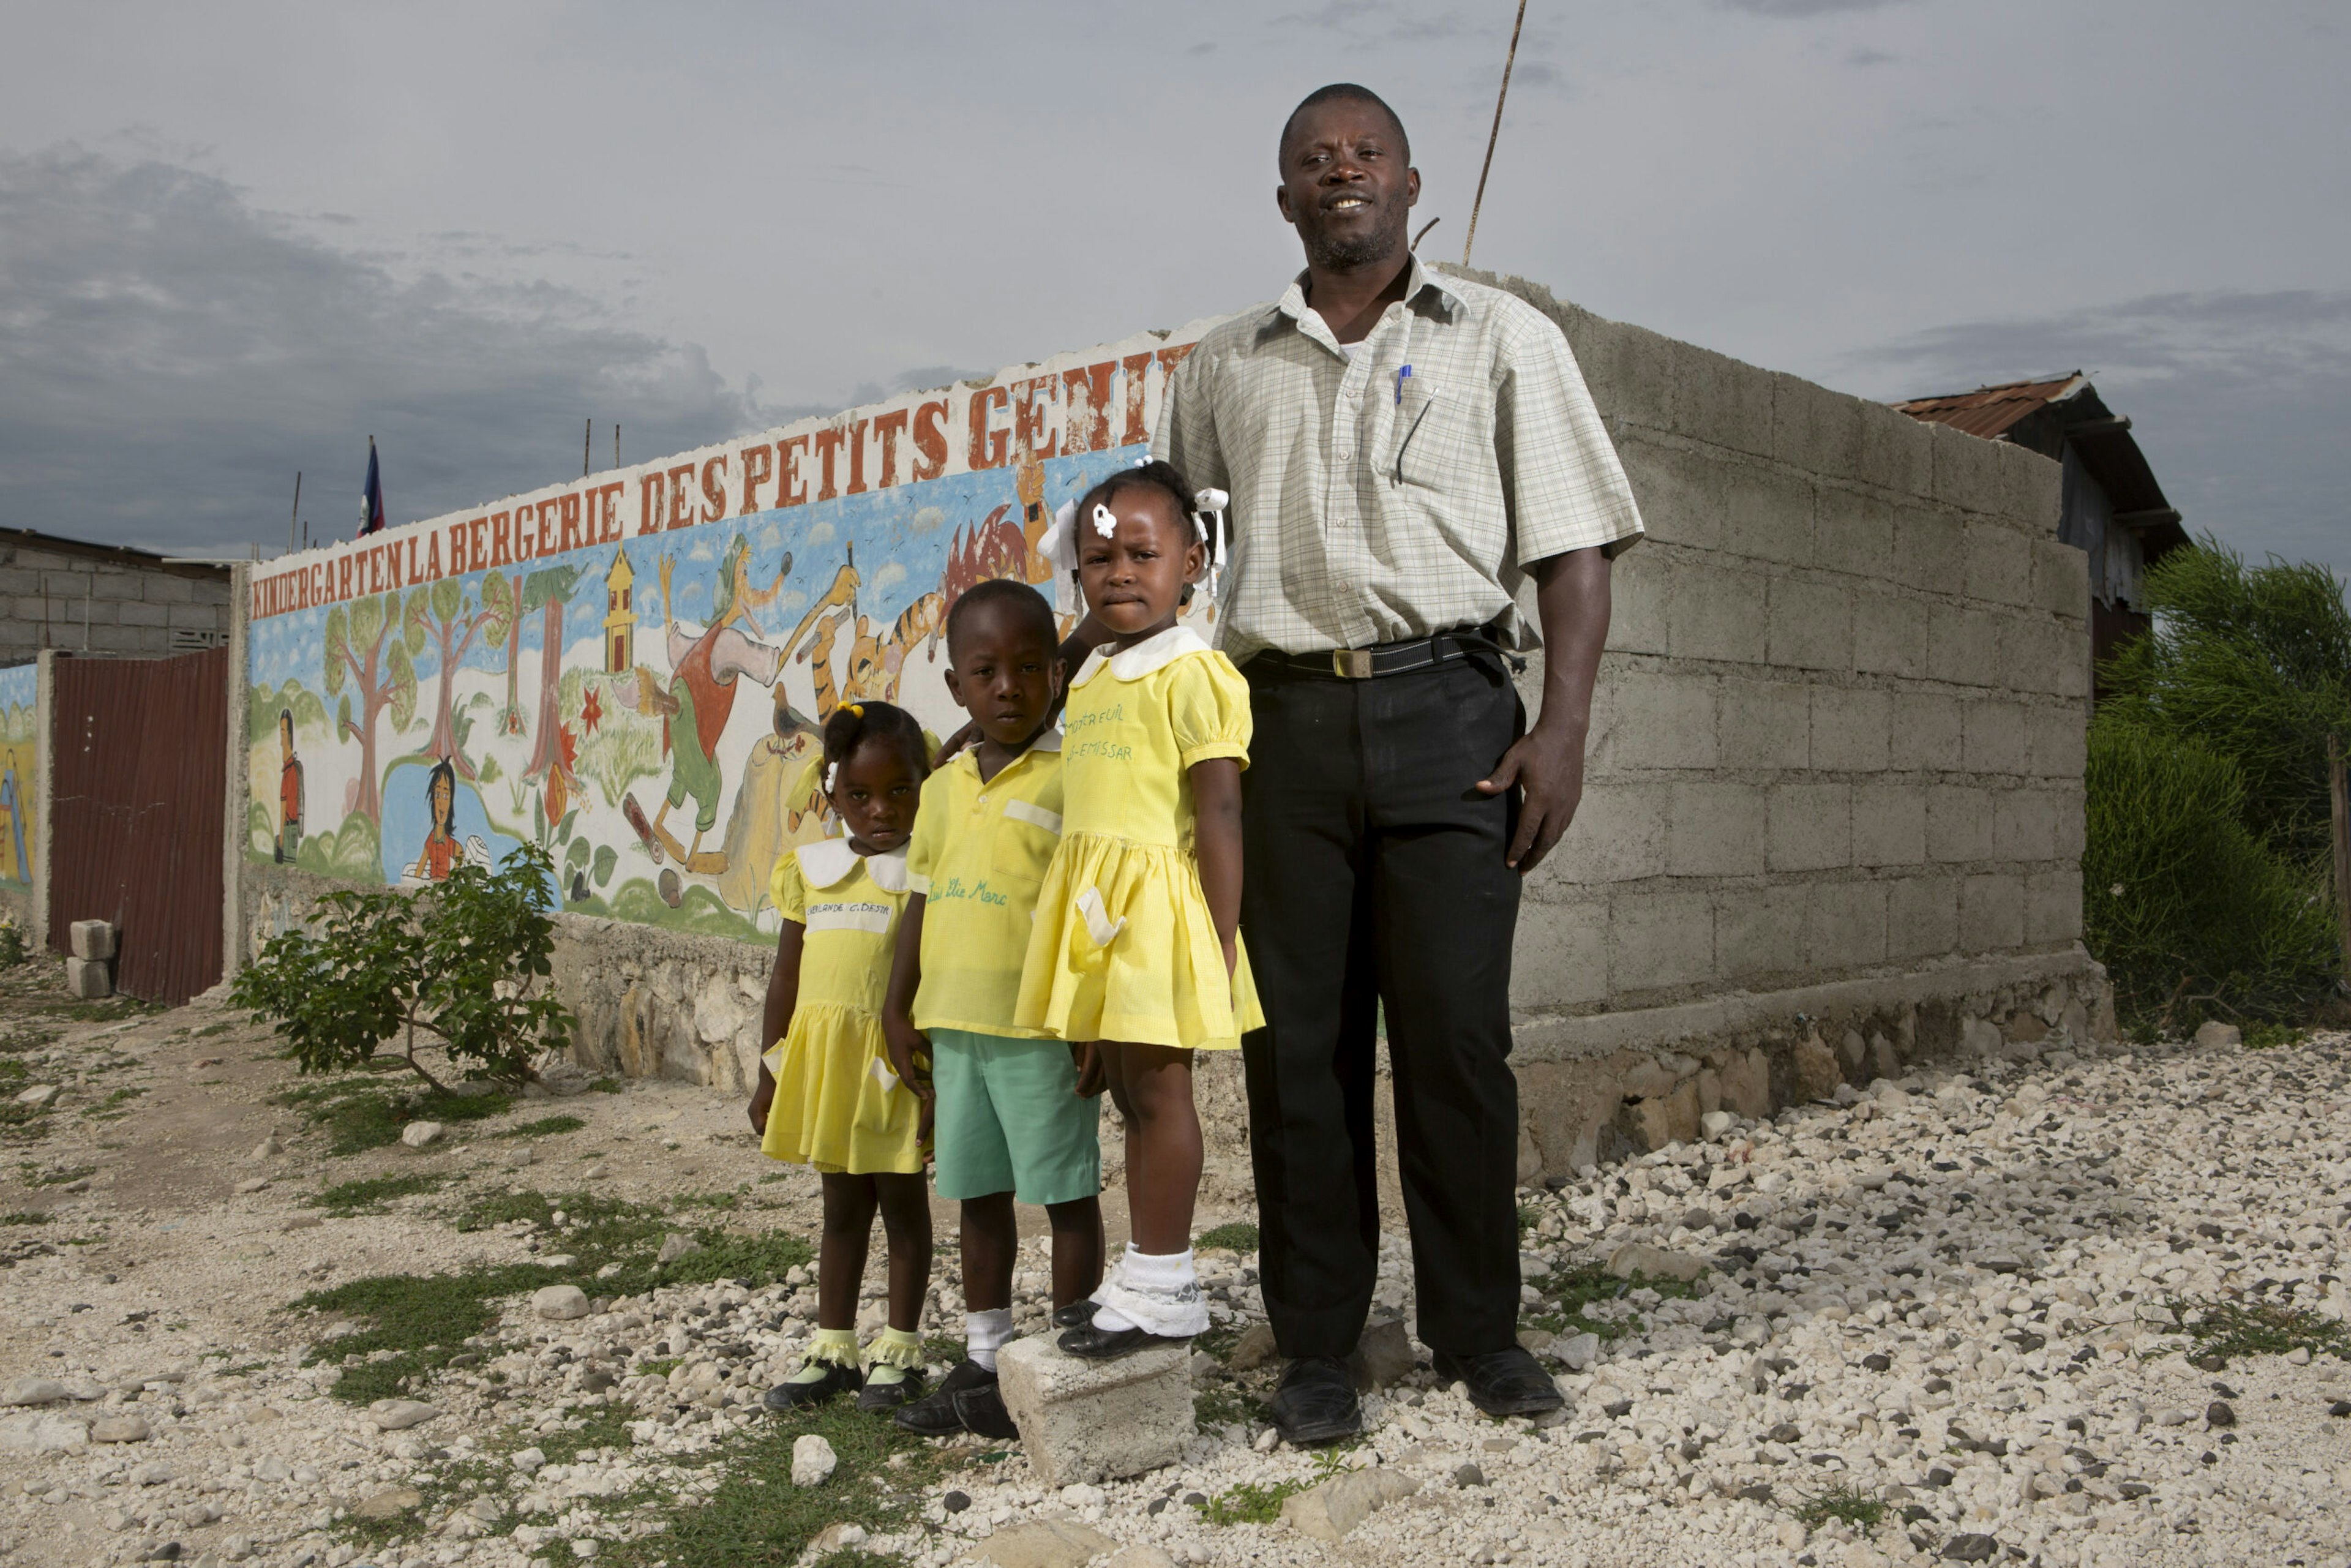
{"points": [[53, 1178], [211, 1030], [724, 1256], [660, 1366], [2261, 1035], [1221, 1404], [369, 1195], [1843, 1501], [725, 1201], [1251, 1503], [1528, 1217], [422, 1319], [109, 1011], [360, 1111], [2227, 1331], [110, 1108], [23, 1216], [603, 1231], [1588, 1284], [604, 1085], [545, 1127], [28, 1037], [1238, 1237], [600, 1426]]}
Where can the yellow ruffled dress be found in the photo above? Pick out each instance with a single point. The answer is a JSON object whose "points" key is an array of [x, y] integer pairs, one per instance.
{"points": [[838, 1106], [1122, 947]]}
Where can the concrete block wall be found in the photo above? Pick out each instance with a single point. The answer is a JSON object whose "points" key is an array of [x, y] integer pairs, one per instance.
{"points": [[105, 601]]}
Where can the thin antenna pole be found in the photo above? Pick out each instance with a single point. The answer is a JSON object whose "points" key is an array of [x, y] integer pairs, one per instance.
{"points": [[586, 434], [295, 519], [1424, 232], [616, 444], [1494, 135]]}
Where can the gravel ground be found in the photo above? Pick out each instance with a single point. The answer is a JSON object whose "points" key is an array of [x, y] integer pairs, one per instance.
{"points": [[1952, 1320]]}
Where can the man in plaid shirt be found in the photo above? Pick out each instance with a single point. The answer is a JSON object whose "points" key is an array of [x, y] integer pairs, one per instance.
{"points": [[1404, 453]]}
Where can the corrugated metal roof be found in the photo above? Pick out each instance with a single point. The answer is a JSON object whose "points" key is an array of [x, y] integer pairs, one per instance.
{"points": [[1988, 411]]}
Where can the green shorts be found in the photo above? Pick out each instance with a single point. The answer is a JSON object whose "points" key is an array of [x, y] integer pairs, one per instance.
{"points": [[1010, 1119]]}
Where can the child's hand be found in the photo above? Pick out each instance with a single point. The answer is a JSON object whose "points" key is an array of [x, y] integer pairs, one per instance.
{"points": [[910, 1055], [969, 734], [762, 1098], [1092, 1073]]}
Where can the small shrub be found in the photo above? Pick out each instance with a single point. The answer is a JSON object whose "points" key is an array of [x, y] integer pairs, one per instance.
{"points": [[369, 1195], [1238, 1237], [2223, 1331], [1842, 1500], [1251, 1502], [545, 1127], [13, 949]]}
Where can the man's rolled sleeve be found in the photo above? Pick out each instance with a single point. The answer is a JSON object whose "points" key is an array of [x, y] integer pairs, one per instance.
{"points": [[1187, 435], [1561, 484]]}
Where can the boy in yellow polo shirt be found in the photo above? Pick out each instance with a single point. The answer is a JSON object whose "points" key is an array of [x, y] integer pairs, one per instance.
{"points": [[1015, 1114]]}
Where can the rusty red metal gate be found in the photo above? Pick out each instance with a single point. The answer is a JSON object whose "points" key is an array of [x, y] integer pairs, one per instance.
{"points": [[139, 765]]}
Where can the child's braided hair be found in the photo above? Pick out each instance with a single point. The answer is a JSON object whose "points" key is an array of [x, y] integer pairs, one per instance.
{"points": [[853, 725]]}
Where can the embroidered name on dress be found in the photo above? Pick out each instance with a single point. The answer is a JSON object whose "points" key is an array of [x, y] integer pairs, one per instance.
{"points": [[873, 917]]}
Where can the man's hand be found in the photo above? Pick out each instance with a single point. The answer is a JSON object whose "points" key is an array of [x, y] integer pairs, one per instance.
{"points": [[910, 1054], [1547, 764], [968, 735]]}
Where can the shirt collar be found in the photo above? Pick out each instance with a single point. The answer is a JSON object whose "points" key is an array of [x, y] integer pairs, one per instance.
{"points": [[827, 863], [1049, 740], [1418, 279], [1145, 658]]}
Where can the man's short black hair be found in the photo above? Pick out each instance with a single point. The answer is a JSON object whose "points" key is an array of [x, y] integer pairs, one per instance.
{"points": [[1022, 600], [1346, 91]]}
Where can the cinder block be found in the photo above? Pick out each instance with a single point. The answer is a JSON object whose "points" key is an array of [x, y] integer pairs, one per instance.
{"points": [[1885, 639], [1999, 563], [15, 580], [1811, 625], [1997, 739], [1991, 912], [1755, 932], [1765, 725], [1721, 400], [138, 612], [112, 584], [1922, 917], [1923, 732], [1560, 955], [2033, 489], [1770, 515], [1962, 645], [89, 980], [1929, 551], [91, 939], [1096, 1420], [1717, 611], [2060, 740], [1889, 824], [1714, 829], [2053, 906], [1850, 725], [1897, 451], [1658, 940], [2024, 824], [1683, 494], [1639, 589], [1626, 369], [1959, 823], [209, 590], [1811, 826], [197, 617], [1853, 531], [2065, 816], [165, 588], [1845, 924], [1660, 721], [1618, 835], [1814, 429], [1967, 470], [76, 586], [2060, 579]]}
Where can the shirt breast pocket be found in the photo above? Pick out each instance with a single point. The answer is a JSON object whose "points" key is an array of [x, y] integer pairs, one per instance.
{"points": [[1026, 840], [1434, 432]]}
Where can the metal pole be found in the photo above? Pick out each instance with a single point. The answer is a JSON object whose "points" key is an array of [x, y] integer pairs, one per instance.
{"points": [[616, 444], [586, 434], [295, 520], [1494, 135]]}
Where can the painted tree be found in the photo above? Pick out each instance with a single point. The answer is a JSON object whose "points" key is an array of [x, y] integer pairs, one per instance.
{"points": [[371, 650], [442, 612], [503, 595], [545, 590]]}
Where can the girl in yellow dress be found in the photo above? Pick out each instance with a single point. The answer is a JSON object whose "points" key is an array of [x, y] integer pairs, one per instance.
{"points": [[1136, 949], [826, 1095]]}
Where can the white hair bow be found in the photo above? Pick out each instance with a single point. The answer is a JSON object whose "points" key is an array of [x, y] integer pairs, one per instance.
{"points": [[1208, 504], [1060, 546]]}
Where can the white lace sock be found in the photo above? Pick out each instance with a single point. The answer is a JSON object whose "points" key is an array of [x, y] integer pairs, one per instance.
{"points": [[1153, 1291], [983, 1333]]}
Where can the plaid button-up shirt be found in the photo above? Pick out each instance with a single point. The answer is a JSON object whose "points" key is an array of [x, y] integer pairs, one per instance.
{"points": [[1399, 492]]}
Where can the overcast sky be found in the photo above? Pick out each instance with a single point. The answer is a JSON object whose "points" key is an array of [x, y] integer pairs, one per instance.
{"points": [[235, 240]]}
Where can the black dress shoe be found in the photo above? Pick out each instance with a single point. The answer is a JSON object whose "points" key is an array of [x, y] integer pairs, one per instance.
{"points": [[1091, 1344], [891, 1395], [836, 1380], [1501, 1382], [1076, 1315], [968, 1399], [1316, 1403]]}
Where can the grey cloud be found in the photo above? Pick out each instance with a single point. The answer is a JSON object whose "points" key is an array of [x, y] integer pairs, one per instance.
{"points": [[175, 355], [1804, 8]]}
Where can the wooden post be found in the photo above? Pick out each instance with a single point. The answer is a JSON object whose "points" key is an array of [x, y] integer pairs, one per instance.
{"points": [[294, 518], [586, 434], [2339, 802]]}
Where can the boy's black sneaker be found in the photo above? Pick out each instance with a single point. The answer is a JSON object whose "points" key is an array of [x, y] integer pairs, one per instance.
{"points": [[836, 1380], [968, 1399]]}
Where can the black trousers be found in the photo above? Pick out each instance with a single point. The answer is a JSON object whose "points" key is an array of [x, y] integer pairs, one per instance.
{"points": [[1375, 875]]}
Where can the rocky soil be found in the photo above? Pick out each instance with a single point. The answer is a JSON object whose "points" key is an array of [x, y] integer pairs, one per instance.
{"points": [[2082, 1310]]}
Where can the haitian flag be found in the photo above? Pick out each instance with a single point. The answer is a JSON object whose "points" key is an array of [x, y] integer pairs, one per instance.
{"points": [[371, 499]]}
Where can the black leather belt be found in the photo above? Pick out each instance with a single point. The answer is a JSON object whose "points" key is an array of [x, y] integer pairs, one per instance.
{"points": [[1388, 658]]}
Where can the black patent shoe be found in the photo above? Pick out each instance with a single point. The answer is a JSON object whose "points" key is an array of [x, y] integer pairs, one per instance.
{"points": [[1088, 1343], [968, 1399], [1315, 1402], [1076, 1315], [788, 1396], [1501, 1382], [891, 1395]]}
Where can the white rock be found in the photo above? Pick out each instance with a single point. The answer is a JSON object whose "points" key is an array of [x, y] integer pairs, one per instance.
{"points": [[561, 1303], [252, 1185], [36, 1391], [38, 1094], [527, 1460], [1577, 1352], [399, 1415], [270, 1148], [417, 1135], [1328, 1511], [1716, 1122], [813, 1460]]}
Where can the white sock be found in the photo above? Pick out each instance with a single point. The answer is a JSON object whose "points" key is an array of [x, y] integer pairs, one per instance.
{"points": [[984, 1331], [1153, 1281]]}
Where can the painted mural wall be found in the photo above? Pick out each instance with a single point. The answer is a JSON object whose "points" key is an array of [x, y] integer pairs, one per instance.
{"points": [[634, 669], [20, 729]]}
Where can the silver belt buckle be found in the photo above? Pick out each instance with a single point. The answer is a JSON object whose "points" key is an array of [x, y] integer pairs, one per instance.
{"points": [[1351, 664]]}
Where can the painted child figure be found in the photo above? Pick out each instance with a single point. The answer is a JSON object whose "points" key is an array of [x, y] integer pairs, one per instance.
{"points": [[1136, 947], [827, 1096], [1013, 1118]]}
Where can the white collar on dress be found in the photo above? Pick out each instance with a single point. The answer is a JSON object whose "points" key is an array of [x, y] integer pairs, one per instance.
{"points": [[1145, 658], [827, 863]]}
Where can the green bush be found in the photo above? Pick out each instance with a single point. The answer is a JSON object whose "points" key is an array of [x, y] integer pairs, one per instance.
{"points": [[462, 961], [2192, 914]]}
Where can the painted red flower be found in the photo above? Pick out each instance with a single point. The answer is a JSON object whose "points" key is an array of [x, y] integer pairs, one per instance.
{"points": [[591, 711]]}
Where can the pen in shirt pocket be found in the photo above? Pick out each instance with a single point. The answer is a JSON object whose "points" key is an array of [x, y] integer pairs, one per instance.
{"points": [[1402, 376]]}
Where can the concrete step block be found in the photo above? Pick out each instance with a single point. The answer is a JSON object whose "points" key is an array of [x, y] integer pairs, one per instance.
{"points": [[93, 939], [88, 980], [1095, 1421]]}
